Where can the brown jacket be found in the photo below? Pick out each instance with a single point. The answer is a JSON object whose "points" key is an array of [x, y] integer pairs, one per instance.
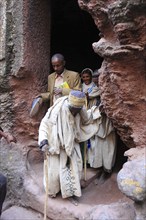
{"points": [[71, 77]]}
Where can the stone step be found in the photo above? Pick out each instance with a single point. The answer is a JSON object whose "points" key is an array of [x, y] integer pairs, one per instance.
{"points": [[20, 213], [58, 208]]}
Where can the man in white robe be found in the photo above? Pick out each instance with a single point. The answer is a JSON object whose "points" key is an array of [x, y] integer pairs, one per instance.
{"points": [[65, 125]]}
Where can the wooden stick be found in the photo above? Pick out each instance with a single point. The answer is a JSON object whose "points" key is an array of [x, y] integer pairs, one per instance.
{"points": [[85, 164], [46, 179], [85, 151]]}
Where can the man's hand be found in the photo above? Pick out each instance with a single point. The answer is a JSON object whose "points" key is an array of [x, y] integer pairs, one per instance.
{"points": [[57, 91], [10, 138], [101, 108]]}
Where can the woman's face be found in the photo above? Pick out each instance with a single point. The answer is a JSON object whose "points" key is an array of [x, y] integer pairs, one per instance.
{"points": [[87, 79]]}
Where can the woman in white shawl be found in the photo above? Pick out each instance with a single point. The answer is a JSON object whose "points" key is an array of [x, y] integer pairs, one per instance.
{"points": [[90, 88]]}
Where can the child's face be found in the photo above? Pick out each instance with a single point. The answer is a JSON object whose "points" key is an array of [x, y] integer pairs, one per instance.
{"points": [[87, 79]]}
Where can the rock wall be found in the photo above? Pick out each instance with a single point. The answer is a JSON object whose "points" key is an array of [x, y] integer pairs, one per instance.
{"points": [[24, 68], [122, 26], [24, 63]]}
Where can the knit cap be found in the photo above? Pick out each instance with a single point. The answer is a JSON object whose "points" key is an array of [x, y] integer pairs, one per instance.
{"points": [[76, 99]]}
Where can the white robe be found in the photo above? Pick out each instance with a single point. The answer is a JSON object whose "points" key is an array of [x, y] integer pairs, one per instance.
{"points": [[103, 146], [93, 94], [64, 132]]}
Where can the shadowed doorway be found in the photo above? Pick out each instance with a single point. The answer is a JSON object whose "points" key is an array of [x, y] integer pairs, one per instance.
{"points": [[72, 33]]}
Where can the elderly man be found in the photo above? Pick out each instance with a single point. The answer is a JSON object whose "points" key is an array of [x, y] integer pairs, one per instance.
{"points": [[60, 83], [65, 125]]}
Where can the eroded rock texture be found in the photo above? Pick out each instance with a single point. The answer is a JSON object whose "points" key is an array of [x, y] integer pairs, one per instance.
{"points": [[24, 63], [132, 180], [134, 186], [123, 73], [24, 66]]}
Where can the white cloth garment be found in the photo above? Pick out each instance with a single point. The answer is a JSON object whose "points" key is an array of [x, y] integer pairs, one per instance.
{"points": [[103, 146], [93, 93], [64, 132]]}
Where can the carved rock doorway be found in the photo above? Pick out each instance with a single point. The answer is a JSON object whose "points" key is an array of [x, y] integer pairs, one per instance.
{"points": [[72, 33]]}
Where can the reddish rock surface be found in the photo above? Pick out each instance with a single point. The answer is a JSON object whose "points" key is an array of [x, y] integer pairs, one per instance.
{"points": [[23, 71], [122, 79]]}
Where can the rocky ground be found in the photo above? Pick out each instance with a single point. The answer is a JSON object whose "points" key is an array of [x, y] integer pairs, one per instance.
{"points": [[93, 197], [20, 213]]}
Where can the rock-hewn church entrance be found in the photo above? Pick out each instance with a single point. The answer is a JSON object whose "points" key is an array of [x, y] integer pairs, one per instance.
{"points": [[72, 33]]}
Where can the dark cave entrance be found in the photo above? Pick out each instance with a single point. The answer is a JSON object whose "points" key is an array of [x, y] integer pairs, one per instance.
{"points": [[72, 33]]}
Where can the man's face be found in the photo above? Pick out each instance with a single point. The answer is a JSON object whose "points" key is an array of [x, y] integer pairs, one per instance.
{"points": [[74, 111], [58, 66]]}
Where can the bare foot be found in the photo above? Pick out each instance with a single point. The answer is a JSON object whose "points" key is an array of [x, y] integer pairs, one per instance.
{"points": [[87, 182], [96, 181], [104, 176], [99, 173], [73, 200], [84, 183], [52, 196]]}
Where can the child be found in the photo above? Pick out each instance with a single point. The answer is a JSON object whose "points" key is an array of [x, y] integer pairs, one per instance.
{"points": [[90, 88]]}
